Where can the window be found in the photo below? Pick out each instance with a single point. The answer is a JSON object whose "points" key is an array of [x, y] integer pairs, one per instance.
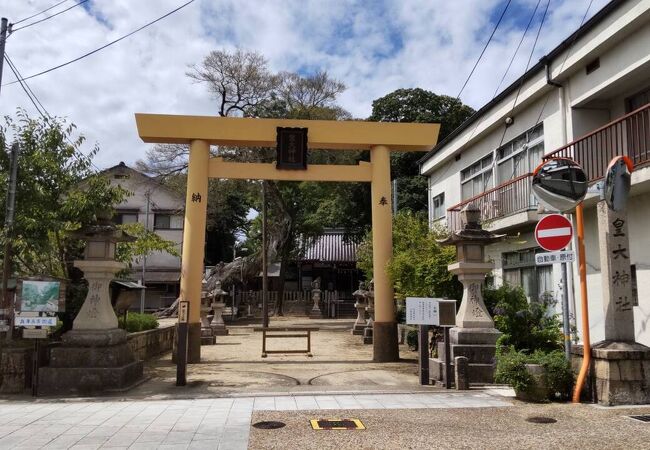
{"points": [[476, 178], [122, 218], [521, 155], [519, 269], [162, 221], [167, 221], [438, 203]]}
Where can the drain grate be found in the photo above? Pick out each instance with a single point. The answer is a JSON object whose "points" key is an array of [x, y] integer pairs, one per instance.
{"points": [[269, 425], [540, 419], [642, 418], [337, 424]]}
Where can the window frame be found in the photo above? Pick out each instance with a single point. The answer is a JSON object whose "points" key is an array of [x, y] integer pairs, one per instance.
{"points": [[441, 200], [481, 172]]}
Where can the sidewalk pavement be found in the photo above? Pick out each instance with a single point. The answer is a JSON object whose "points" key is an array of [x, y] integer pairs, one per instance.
{"points": [[218, 423]]}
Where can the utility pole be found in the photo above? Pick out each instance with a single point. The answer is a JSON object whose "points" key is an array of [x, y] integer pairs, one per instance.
{"points": [[144, 258], [3, 39], [9, 223], [265, 278]]}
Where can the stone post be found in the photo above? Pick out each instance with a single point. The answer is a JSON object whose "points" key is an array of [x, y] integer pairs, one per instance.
{"points": [[616, 274], [621, 365]]}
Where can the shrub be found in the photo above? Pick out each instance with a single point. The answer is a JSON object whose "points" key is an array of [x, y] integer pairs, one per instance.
{"points": [[412, 339], [525, 326], [138, 322], [558, 376]]}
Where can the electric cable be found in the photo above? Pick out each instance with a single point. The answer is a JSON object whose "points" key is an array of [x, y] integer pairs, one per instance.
{"points": [[39, 13], [503, 13], [49, 17], [42, 111], [103, 46]]}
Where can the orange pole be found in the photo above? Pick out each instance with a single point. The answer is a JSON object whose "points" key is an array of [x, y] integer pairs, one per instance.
{"points": [[582, 261]]}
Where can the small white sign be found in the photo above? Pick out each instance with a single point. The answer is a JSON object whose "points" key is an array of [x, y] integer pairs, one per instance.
{"points": [[542, 259], [422, 311], [184, 311], [34, 321], [30, 333]]}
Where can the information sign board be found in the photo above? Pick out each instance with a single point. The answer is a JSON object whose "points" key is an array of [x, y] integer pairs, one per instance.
{"points": [[422, 311]]}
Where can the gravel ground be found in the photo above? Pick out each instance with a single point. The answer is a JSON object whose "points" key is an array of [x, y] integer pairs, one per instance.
{"points": [[577, 427]]}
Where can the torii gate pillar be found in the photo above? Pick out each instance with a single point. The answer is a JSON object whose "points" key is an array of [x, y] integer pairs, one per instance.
{"points": [[384, 334]]}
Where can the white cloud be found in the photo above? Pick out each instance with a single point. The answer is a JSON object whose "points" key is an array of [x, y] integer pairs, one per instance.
{"points": [[374, 47]]}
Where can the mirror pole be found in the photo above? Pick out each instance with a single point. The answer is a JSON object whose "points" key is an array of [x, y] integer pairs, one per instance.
{"points": [[582, 264]]}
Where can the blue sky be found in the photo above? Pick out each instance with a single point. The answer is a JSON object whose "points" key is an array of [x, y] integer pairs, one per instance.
{"points": [[374, 47]]}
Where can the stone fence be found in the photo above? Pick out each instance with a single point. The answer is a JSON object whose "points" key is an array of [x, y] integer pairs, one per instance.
{"points": [[147, 344], [16, 363]]}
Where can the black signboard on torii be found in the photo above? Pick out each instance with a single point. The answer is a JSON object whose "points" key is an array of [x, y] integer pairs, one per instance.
{"points": [[291, 148]]}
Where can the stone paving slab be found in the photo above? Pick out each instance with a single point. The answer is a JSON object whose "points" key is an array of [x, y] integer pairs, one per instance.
{"points": [[218, 423]]}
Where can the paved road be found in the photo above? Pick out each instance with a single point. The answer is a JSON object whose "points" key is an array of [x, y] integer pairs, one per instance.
{"points": [[218, 423]]}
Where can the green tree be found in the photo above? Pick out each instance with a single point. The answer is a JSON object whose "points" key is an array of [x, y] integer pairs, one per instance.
{"points": [[417, 105], [418, 267], [57, 192]]}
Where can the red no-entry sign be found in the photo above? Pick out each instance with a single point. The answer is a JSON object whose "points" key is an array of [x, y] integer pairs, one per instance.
{"points": [[553, 232]]}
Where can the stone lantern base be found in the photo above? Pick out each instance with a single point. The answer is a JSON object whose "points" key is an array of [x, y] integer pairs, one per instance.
{"points": [[90, 362], [478, 345]]}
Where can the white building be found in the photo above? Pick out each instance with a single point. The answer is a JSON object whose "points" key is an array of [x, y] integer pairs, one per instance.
{"points": [[160, 210], [588, 99]]}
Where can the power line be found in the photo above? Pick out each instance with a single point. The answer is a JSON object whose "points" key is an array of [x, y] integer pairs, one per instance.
{"points": [[43, 112], [39, 13], [103, 46], [49, 17], [503, 13], [514, 55]]}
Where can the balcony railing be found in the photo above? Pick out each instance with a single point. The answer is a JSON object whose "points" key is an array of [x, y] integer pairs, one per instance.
{"points": [[508, 198], [628, 136]]}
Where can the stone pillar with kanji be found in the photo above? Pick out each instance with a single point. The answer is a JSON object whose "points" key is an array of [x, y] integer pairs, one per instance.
{"points": [[616, 273], [621, 365]]}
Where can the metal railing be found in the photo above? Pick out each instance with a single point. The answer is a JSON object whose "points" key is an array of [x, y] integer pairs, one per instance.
{"points": [[628, 135], [508, 198]]}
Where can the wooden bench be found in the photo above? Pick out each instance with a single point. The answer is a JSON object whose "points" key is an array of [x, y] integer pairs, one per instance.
{"points": [[284, 333]]}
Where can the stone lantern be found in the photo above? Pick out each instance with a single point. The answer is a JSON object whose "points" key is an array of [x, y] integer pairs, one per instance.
{"points": [[218, 326], [474, 335], [207, 334], [94, 356], [360, 304], [370, 310], [315, 312]]}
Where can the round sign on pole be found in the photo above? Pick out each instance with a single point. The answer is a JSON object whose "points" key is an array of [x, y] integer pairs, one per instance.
{"points": [[553, 232]]}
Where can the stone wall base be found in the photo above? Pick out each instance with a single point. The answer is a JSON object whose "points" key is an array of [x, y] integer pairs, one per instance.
{"points": [[477, 345], [90, 362], [619, 375]]}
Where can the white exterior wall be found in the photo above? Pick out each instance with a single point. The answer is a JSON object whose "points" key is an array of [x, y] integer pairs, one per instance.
{"points": [[161, 200], [621, 42]]}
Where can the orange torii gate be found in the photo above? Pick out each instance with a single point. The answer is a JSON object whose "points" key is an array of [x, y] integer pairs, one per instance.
{"points": [[380, 138]]}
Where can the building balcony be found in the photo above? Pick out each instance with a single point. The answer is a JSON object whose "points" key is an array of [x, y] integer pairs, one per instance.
{"points": [[505, 206], [512, 203], [628, 135]]}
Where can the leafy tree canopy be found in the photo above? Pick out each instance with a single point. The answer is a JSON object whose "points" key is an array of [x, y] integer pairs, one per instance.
{"points": [[419, 264], [417, 105]]}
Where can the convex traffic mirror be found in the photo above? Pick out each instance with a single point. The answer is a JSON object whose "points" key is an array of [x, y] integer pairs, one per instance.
{"points": [[617, 182], [559, 184]]}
